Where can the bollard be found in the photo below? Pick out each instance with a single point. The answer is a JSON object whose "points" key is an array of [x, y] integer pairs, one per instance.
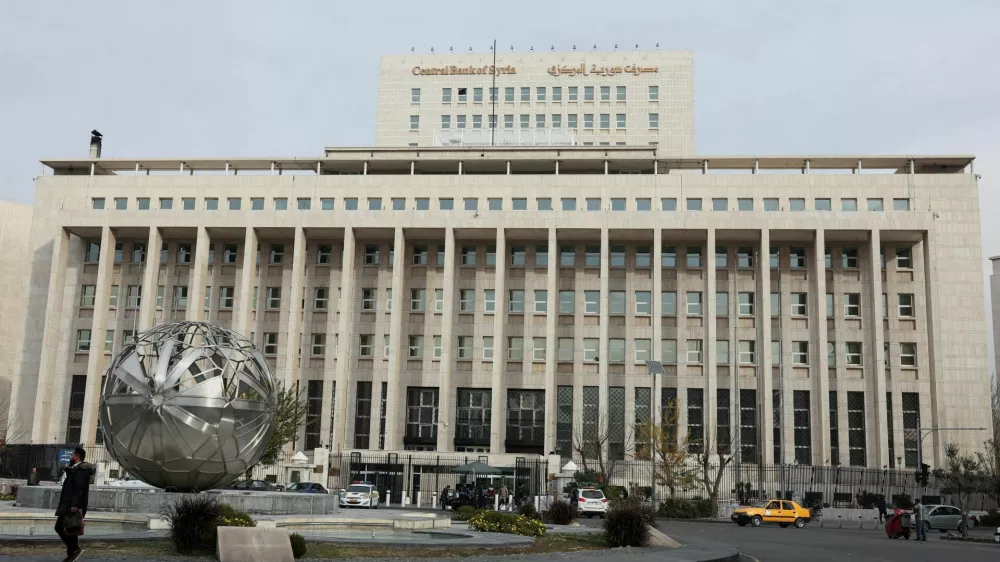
{"points": [[406, 498], [496, 502], [388, 498], [537, 504], [840, 521], [434, 500], [418, 499]]}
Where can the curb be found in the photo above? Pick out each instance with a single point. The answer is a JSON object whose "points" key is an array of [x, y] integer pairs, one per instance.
{"points": [[968, 539]]}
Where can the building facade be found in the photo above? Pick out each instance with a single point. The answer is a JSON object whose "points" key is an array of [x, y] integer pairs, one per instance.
{"points": [[619, 98], [811, 310], [15, 222]]}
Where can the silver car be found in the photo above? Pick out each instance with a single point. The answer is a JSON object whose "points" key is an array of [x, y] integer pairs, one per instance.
{"points": [[942, 518]]}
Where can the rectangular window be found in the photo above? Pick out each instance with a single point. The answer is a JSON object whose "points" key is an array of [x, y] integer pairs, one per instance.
{"points": [[320, 298], [904, 258], [273, 298], [134, 296], [852, 304], [592, 257], [693, 256], [605, 120], [668, 258], [616, 303], [668, 351], [417, 299], [722, 304], [540, 121], [850, 258], [771, 204], [643, 303], [525, 120], [541, 302], [419, 255], [746, 304], [465, 347], [487, 348], [436, 340], [853, 353], [722, 352], [415, 347], [694, 303], [744, 204], [748, 352], [848, 204], [180, 295], [565, 349], [515, 301], [823, 205], [83, 340], [900, 204], [544, 204], [235, 203], [906, 305], [856, 428], [467, 300], [696, 419], [461, 120], [446, 95], [270, 344], [515, 348], [439, 256], [590, 349], [415, 95], [744, 257], [800, 353], [541, 255], [720, 204], [668, 303], [363, 415], [775, 305], [414, 122], [911, 421], [796, 204], [617, 255], [829, 305], [907, 354], [694, 351], [694, 204], [721, 257], [371, 254], [642, 350], [567, 256], [495, 204], [211, 204], [875, 205], [571, 121], [276, 255], [368, 298], [423, 203], [802, 425], [227, 297], [489, 298], [620, 120], [748, 426], [800, 304], [398, 204], [538, 349], [318, 346], [797, 258], [588, 120]]}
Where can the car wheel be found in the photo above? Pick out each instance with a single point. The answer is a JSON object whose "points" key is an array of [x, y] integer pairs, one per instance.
{"points": [[799, 522], [783, 525], [756, 521]]}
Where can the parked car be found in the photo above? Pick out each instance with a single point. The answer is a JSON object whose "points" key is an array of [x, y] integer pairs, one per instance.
{"points": [[255, 486], [782, 512], [307, 488], [942, 518], [592, 502], [359, 494]]}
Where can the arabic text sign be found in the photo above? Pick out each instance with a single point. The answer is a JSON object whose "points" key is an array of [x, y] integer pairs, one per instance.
{"points": [[582, 69]]}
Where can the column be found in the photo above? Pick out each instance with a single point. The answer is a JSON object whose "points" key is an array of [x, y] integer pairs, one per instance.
{"points": [[877, 355], [344, 338], [248, 275], [395, 403], [656, 261], [711, 371], [820, 402], [199, 276], [52, 334], [603, 344], [293, 339], [497, 429], [893, 377], [551, 343], [765, 417], [99, 325], [931, 448], [446, 394], [149, 279]]}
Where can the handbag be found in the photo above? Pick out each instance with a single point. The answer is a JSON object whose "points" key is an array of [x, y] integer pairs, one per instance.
{"points": [[73, 524]]}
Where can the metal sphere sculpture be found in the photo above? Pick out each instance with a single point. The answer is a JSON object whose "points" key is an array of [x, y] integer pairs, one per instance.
{"points": [[187, 406]]}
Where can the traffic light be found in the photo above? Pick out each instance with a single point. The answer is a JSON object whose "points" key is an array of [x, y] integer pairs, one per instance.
{"points": [[923, 475]]}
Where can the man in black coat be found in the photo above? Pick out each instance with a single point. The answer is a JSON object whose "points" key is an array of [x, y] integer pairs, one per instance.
{"points": [[73, 498]]}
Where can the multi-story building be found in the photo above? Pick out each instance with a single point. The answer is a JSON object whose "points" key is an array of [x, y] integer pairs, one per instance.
{"points": [[505, 300], [619, 98], [15, 221]]}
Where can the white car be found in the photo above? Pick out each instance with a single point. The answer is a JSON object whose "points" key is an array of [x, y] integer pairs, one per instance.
{"points": [[592, 502], [359, 494]]}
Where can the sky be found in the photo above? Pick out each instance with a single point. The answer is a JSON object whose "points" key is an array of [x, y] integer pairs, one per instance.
{"points": [[231, 78]]}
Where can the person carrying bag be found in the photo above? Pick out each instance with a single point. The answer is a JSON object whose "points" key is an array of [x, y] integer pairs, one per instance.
{"points": [[72, 507]]}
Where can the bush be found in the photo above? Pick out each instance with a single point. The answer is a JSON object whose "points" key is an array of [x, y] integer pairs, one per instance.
{"points": [[298, 545], [528, 510], [229, 517], [991, 519], [496, 522], [192, 521], [561, 512], [866, 500], [464, 513], [11, 496], [902, 501], [677, 508], [626, 524]]}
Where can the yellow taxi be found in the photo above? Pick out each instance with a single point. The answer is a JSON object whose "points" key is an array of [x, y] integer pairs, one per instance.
{"points": [[782, 512]]}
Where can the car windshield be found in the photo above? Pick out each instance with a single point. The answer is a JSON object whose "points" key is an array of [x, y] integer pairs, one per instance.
{"points": [[358, 489], [593, 495], [761, 504], [300, 486]]}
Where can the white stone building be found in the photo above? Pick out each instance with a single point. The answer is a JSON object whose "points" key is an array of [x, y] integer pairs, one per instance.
{"points": [[15, 223]]}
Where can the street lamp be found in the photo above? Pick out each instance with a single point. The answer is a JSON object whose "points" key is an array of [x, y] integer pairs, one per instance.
{"points": [[921, 434], [655, 368]]}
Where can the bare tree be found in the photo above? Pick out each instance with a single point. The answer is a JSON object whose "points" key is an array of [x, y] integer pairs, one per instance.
{"points": [[714, 456], [13, 429], [659, 443], [989, 458], [599, 450]]}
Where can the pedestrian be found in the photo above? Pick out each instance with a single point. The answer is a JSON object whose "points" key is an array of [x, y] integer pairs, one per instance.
{"points": [[624, 493], [73, 499], [918, 517], [882, 509], [445, 496], [504, 497], [33, 477]]}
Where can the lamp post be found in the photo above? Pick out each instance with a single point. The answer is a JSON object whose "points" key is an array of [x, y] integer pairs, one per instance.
{"points": [[655, 368], [925, 431]]}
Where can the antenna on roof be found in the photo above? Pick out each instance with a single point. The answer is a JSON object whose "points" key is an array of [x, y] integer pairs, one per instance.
{"points": [[574, 47], [432, 49], [451, 49], [470, 48], [616, 46], [413, 50], [493, 46], [531, 48], [657, 45], [636, 46], [595, 46], [553, 48]]}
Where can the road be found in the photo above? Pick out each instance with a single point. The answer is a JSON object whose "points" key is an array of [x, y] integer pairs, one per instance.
{"points": [[813, 544]]}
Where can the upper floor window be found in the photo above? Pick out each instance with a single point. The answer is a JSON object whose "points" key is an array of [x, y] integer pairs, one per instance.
{"points": [[900, 204]]}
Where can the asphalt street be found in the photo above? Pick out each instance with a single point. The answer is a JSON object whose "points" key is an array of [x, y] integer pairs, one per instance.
{"points": [[813, 544]]}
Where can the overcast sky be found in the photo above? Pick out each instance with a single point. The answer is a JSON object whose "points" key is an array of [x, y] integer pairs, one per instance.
{"points": [[284, 78]]}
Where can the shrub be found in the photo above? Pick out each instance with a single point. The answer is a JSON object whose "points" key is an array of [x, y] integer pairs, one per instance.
{"points": [[677, 508], [991, 519], [298, 545], [464, 513], [192, 520], [528, 510], [866, 500], [902, 501], [496, 522], [626, 524], [11, 496], [561, 512], [229, 517]]}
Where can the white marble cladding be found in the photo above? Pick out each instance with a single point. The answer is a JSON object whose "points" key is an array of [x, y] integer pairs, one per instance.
{"points": [[941, 229], [15, 271]]}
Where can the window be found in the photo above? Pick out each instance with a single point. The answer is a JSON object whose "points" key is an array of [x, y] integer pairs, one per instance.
{"points": [[227, 297], [748, 352], [850, 258], [592, 302], [187, 203], [900, 204], [487, 348], [326, 203], [414, 122], [904, 258], [398, 204], [134, 296], [419, 254], [517, 255], [823, 205], [693, 256], [417, 299], [541, 302], [180, 295], [617, 255], [495, 204], [605, 120], [617, 204], [875, 205], [415, 347], [388, 300], [848, 204], [230, 253], [643, 303], [436, 341], [694, 303], [571, 121], [139, 252], [590, 349], [319, 345], [446, 95], [799, 304], [829, 305], [270, 343], [471, 204], [462, 94], [538, 349], [211, 204], [321, 298], [273, 298], [371, 254], [257, 204], [852, 304], [721, 352], [423, 204], [415, 95], [797, 258], [465, 347], [800, 353], [744, 257], [853, 352], [592, 256], [620, 120], [668, 257], [541, 255], [722, 304], [515, 302], [489, 298], [540, 121], [746, 304], [508, 121], [694, 351], [908, 354], [468, 255], [694, 204], [323, 252], [374, 204], [439, 255], [775, 305], [121, 203], [544, 203], [525, 93], [508, 94], [276, 255], [796, 204], [721, 257], [97, 203], [856, 428], [906, 305], [515, 348], [368, 298], [616, 302], [588, 120], [668, 303], [183, 253], [720, 204], [83, 340]]}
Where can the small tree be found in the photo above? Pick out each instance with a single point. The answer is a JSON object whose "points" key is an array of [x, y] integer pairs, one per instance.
{"points": [[713, 457], [289, 417], [961, 476], [600, 456], [659, 443], [13, 429]]}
